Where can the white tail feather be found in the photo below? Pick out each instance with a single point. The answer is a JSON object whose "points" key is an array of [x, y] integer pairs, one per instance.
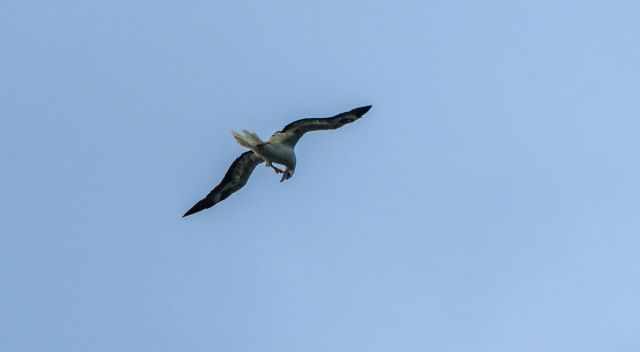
{"points": [[253, 137], [247, 139]]}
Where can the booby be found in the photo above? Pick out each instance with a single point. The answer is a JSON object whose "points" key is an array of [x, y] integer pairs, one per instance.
{"points": [[279, 149]]}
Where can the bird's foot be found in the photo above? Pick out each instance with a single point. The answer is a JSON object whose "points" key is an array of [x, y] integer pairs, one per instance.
{"points": [[277, 171]]}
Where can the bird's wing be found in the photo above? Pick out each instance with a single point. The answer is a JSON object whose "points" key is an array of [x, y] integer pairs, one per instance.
{"points": [[296, 129], [235, 178]]}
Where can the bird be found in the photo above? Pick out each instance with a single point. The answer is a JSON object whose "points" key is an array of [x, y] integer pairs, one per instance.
{"points": [[279, 149]]}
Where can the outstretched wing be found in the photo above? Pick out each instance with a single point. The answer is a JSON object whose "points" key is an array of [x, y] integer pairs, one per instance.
{"points": [[293, 131], [235, 178]]}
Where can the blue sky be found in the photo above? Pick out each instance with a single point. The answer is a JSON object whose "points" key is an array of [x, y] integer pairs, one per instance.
{"points": [[487, 202]]}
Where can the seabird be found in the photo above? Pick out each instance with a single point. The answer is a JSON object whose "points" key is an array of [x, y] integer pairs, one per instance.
{"points": [[278, 149]]}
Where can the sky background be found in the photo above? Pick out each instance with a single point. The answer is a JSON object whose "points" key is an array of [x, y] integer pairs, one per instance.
{"points": [[488, 202]]}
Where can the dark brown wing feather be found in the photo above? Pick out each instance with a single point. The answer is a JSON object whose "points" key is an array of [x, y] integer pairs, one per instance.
{"points": [[302, 126], [235, 178]]}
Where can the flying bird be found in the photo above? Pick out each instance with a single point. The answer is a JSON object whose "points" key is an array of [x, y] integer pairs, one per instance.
{"points": [[279, 149]]}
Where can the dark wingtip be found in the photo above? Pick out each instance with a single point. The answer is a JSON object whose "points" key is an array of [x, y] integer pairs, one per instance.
{"points": [[361, 110], [196, 208]]}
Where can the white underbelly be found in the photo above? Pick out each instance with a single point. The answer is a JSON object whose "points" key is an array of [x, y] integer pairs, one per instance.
{"points": [[279, 153]]}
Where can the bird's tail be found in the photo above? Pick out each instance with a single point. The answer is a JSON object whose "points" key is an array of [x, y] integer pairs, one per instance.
{"points": [[247, 139]]}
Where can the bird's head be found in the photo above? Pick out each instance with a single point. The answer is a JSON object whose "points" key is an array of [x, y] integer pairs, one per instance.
{"points": [[287, 174]]}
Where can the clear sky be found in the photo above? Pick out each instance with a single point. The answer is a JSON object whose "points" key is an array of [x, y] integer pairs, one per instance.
{"points": [[488, 202]]}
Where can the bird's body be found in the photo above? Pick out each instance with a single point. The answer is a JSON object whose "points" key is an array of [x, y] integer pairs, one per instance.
{"points": [[279, 153], [276, 150], [279, 149]]}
